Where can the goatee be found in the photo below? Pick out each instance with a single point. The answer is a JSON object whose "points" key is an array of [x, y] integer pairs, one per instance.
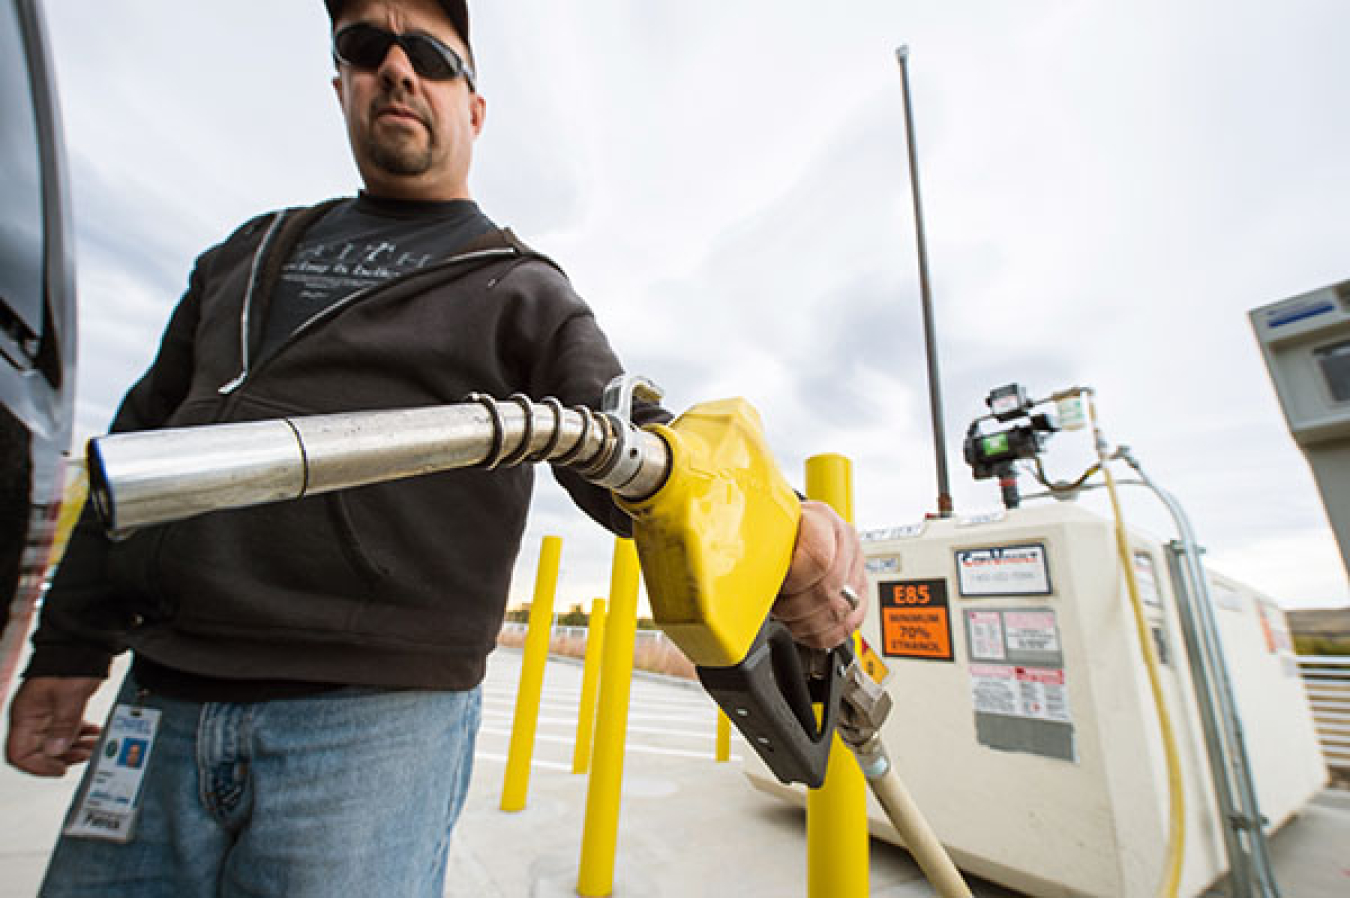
{"points": [[399, 157]]}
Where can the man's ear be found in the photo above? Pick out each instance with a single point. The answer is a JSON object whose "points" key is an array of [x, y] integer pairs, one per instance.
{"points": [[337, 87], [477, 113]]}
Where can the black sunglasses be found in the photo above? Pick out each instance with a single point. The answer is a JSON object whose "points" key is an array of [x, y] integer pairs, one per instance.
{"points": [[364, 46]]}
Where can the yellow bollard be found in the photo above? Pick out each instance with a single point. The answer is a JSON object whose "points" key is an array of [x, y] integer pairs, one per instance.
{"points": [[533, 660], [72, 503], [723, 737], [829, 479], [590, 683], [836, 813], [601, 828]]}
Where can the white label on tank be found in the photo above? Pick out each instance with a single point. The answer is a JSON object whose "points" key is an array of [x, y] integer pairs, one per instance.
{"points": [[907, 531], [1225, 596], [1031, 631], [1003, 571], [887, 565], [1272, 624], [994, 689], [1034, 692], [986, 635], [1043, 693], [1146, 580], [981, 517]]}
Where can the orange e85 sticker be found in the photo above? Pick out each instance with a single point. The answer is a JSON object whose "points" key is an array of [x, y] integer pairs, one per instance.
{"points": [[915, 619]]}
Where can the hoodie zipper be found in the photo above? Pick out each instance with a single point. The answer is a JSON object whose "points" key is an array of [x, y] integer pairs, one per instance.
{"points": [[342, 304], [228, 388]]}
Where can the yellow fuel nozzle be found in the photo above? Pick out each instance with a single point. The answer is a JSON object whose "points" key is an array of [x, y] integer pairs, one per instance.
{"points": [[716, 540]]}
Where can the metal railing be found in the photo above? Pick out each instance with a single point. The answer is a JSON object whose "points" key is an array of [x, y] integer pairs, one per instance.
{"points": [[652, 649], [1327, 679], [561, 630]]}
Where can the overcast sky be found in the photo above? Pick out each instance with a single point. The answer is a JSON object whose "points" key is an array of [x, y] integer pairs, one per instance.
{"points": [[1108, 189]]}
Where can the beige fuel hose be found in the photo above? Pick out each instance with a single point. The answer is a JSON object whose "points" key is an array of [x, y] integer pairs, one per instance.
{"points": [[865, 708], [919, 838]]}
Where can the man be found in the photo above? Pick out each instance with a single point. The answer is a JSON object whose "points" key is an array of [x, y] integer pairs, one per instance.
{"points": [[309, 671]]}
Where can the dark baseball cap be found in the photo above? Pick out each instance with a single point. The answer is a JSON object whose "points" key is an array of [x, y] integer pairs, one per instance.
{"points": [[457, 11]]}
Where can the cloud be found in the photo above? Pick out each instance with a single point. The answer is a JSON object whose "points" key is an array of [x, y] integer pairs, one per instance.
{"points": [[1287, 564], [1107, 191]]}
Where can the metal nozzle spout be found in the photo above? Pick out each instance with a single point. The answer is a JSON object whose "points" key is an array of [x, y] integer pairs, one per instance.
{"points": [[153, 477]]}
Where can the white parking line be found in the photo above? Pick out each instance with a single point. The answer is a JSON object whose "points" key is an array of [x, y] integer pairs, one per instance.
{"points": [[559, 697], [678, 724], [534, 762], [630, 747]]}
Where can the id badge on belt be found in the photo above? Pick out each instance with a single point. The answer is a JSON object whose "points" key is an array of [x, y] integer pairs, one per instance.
{"points": [[108, 808]]}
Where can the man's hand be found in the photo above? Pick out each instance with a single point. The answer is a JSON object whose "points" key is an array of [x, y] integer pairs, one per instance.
{"points": [[828, 556], [47, 730]]}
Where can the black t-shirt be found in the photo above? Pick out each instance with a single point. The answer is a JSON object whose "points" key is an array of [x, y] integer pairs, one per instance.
{"points": [[360, 243], [357, 244]]}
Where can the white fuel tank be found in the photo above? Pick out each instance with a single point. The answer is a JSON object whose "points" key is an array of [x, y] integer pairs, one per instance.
{"points": [[1023, 723]]}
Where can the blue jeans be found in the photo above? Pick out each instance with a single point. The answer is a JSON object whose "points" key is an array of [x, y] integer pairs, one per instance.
{"points": [[352, 792]]}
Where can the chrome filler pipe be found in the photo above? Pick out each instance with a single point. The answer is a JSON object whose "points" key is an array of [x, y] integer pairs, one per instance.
{"points": [[152, 477]]}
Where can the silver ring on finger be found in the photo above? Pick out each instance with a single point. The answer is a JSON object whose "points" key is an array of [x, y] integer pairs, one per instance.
{"points": [[850, 596]]}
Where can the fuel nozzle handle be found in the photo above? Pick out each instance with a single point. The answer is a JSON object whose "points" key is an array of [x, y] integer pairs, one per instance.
{"points": [[771, 696]]}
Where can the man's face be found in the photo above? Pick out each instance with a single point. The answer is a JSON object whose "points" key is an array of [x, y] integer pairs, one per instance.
{"points": [[412, 136]]}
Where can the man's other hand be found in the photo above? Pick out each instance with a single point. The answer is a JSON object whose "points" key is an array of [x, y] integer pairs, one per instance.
{"points": [[47, 729], [827, 557]]}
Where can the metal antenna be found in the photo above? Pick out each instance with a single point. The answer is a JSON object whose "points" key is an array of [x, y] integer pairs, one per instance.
{"points": [[944, 498]]}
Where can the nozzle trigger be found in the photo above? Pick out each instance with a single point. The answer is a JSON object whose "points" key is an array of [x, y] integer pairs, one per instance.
{"points": [[769, 696]]}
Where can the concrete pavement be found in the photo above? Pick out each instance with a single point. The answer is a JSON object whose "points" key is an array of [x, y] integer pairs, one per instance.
{"points": [[689, 827]]}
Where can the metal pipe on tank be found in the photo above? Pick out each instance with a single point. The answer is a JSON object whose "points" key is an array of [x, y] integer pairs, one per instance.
{"points": [[1239, 860], [1244, 814]]}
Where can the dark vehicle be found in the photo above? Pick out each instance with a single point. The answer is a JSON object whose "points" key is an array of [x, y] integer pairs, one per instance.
{"points": [[37, 319]]}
